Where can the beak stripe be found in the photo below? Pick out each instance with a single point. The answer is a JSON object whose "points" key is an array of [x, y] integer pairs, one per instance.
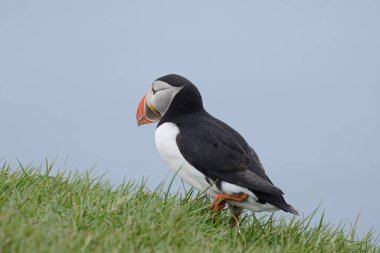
{"points": [[143, 111]]}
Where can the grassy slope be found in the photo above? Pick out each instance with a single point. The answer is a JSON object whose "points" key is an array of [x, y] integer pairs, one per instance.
{"points": [[75, 213]]}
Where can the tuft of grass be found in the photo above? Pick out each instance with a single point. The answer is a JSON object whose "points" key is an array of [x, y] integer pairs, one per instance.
{"points": [[72, 212]]}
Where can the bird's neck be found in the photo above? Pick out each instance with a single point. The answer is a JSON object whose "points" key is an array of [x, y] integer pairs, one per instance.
{"points": [[187, 101]]}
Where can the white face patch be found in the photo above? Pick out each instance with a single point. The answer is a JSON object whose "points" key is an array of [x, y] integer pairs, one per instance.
{"points": [[160, 95]]}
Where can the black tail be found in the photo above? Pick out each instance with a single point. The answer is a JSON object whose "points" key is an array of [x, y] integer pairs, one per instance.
{"points": [[276, 200]]}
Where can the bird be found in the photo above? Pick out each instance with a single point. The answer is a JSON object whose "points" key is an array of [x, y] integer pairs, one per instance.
{"points": [[205, 152]]}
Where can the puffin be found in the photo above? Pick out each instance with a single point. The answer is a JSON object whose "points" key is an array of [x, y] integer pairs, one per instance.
{"points": [[205, 152]]}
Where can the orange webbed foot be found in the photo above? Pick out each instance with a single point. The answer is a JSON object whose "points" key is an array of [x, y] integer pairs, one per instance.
{"points": [[220, 202]]}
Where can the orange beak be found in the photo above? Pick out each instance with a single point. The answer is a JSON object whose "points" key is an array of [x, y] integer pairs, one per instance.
{"points": [[146, 113]]}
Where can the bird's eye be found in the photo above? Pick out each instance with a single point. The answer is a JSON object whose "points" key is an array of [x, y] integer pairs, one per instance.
{"points": [[157, 90]]}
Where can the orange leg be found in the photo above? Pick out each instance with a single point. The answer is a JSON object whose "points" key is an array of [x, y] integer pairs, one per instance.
{"points": [[220, 202]]}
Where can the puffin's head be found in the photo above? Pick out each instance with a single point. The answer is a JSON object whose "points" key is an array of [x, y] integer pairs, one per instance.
{"points": [[161, 96]]}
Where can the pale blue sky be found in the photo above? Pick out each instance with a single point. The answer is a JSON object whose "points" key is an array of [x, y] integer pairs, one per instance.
{"points": [[300, 80]]}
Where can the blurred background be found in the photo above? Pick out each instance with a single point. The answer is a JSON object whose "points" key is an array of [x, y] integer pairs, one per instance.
{"points": [[300, 80]]}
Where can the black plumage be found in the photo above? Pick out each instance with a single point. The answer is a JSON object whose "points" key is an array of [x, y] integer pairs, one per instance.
{"points": [[216, 149]]}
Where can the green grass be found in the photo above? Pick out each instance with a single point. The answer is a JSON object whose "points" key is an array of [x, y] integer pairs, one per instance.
{"points": [[79, 213]]}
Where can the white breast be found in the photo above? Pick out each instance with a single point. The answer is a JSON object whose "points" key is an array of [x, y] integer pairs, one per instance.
{"points": [[166, 143]]}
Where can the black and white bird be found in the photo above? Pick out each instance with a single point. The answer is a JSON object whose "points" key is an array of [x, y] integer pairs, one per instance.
{"points": [[205, 152]]}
